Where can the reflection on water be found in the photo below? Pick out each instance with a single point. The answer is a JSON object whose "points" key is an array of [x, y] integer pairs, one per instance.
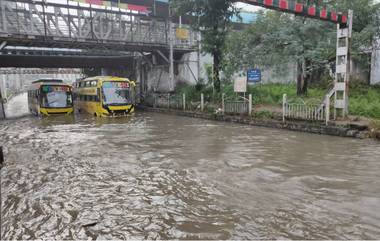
{"points": [[153, 176]]}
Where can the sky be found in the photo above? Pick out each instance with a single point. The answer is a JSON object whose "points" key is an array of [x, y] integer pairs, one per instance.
{"points": [[247, 7], [243, 6]]}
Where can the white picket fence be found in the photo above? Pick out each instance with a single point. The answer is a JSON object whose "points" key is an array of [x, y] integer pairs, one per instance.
{"points": [[243, 106], [306, 111], [179, 101], [169, 101]]}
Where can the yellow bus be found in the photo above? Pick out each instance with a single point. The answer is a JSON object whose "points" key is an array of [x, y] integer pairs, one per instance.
{"points": [[105, 96], [50, 97]]}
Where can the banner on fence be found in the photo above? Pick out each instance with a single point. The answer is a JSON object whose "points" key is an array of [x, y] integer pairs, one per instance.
{"points": [[116, 3], [240, 84], [182, 33]]}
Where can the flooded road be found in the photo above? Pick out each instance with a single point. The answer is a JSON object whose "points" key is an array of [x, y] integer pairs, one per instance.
{"points": [[17, 106], [154, 176]]}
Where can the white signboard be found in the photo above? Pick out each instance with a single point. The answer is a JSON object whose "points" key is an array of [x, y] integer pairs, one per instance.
{"points": [[240, 84]]}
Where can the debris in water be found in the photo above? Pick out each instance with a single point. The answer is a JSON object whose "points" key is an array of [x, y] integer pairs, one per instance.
{"points": [[89, 224]]}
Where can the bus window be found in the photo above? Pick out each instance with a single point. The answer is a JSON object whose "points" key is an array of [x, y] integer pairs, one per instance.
{"points": [[56, 97], [116, 93]]}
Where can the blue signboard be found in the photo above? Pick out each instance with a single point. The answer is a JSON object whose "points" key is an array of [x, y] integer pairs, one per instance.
{"points": [[253, 76]]}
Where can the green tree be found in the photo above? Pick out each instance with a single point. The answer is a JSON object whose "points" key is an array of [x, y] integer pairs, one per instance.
{"points": [[277, 38], [212, 18]]}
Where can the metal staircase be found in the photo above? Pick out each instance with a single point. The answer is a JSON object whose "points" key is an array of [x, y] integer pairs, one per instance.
{"points": [[342, 73], [340, 89]]}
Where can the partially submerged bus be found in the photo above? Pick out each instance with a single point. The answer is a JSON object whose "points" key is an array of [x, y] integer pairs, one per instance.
{"points": [[104, 96], [50, 97]]}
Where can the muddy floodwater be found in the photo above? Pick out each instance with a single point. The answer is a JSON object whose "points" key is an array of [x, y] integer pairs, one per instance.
{"points": [[154, 176]]}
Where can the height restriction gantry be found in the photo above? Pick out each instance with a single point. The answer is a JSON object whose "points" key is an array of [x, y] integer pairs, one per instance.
{"points": [[344, 33], [310, 11]]}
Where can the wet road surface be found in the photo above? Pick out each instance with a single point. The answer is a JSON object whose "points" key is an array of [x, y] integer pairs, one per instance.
{"points": [[153, 176], [17, 106]]}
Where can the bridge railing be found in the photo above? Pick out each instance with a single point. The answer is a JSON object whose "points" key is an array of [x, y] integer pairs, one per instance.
{"points": [[35, 19]]}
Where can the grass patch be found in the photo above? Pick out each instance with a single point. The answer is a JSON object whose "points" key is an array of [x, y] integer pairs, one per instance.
{"points": [[365, 101], [263, 114], [375, 124]]}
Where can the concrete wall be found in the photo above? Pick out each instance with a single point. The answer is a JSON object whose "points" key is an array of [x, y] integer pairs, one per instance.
{"points": [[188, 73], [286, 74], [185, 75], [157, 77], [185, 71], [17, 82], [282, 74]]}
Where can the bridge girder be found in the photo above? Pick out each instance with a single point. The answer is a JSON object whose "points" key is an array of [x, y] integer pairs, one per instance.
{"points": [[43, 61], [52, 25]]}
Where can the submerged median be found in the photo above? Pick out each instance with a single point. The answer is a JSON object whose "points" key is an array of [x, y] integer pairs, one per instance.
{"points": [[267, 108]]}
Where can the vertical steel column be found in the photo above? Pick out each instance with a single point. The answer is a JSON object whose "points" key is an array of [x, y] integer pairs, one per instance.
{"points": [[92, 24], [68, 18], [199, 57], [171, 54], [44, 13]]}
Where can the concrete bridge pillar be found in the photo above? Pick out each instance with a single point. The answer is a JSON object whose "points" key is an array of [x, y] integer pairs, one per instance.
{"points": [[3, 86], [2, 110]]}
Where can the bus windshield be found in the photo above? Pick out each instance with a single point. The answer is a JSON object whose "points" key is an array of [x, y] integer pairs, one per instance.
{"points": [[56, 96], [116, 93]]}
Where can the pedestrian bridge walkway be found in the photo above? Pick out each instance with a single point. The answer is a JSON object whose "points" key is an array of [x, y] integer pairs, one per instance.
{"points": [[47, 24]]}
